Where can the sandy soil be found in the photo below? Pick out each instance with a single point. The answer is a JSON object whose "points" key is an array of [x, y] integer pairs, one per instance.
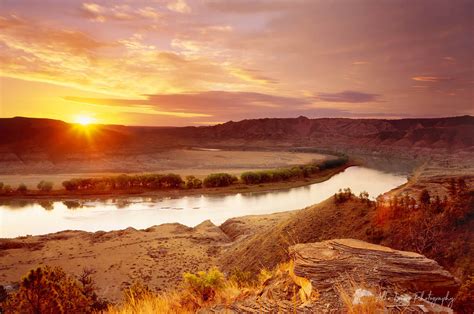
{"points": [[157, 256], [184, 162]]}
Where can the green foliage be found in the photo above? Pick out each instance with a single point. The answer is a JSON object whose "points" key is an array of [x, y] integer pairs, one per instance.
{"points": [[125, 182], [50, 290], [193, 183], [219, 180], [204, 285], [22, 188], [243, 278], [252, 177], [45, 186], [7, 189], [285, 174], [344, 195]]}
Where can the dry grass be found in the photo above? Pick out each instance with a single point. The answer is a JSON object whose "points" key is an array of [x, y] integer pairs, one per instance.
{"points": [[206, 289], [200, 290], [365, 304]]}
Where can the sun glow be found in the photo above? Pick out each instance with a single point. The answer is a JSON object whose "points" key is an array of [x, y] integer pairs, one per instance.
{"points": [[84, 120]]}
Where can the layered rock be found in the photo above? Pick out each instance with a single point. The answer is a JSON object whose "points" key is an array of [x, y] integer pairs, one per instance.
{"points": [[330, 262], [333, 275]]}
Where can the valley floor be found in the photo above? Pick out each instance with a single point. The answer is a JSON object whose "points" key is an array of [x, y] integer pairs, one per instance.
{"points": [[159, 255]]}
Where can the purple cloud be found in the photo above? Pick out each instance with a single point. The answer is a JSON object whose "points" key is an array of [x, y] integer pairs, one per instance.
{"points": [[348, 97]]}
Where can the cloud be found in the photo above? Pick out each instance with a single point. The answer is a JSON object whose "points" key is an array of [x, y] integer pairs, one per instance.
{"points": [[127, 67], [208, 102], [276, 47], [432, 79], [120, 12], [135, 106], [347, 97], [197, 107], [250, 6], [253, 75], [179, 6], [26, 34]]}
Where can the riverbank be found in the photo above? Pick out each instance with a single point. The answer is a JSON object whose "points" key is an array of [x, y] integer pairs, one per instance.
{"points": [[156, 256], [58, 195]]}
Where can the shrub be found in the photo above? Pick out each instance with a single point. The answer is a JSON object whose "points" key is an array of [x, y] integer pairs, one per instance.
{"points": [[343, 196], [171, 180], [22, 188], [45, 186], [425, 197], [3, 297], [123, 182], [193, 183], [219, 180], [464, 301], [204, 285], [7, 189], [50, 290], [70, 185], [251, 177]]}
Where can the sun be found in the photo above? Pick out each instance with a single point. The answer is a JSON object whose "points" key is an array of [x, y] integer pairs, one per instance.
{"points": [[84, 120]]}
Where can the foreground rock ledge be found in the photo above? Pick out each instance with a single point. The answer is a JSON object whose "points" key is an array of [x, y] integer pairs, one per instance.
{"points": [[329, 262], [349, 265]]}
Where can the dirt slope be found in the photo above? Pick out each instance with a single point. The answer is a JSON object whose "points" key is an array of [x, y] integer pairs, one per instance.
{"points": [[269, 244]]}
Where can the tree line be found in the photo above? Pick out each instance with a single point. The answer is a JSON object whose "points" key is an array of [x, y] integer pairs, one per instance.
{"points": [[175, 181], [285, 174]]}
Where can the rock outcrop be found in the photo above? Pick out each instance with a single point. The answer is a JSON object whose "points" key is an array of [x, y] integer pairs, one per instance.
{"points": [[329, 262], [332, 275]]}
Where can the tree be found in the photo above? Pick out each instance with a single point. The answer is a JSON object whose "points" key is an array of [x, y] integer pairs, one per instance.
{"points": [[51, 290], [7, 189], [250, 177], [219, 180], [171, 180], [193, 183], [45, 186], [22, 188], [3, 297], [425, 198], [70, 185], [452, 189]]}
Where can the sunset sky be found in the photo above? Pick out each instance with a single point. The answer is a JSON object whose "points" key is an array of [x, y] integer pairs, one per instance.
{"points": [[197, 62]]}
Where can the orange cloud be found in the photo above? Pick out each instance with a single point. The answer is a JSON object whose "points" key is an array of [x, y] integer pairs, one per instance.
{"points": [[252, 75], [129, 67], [120, 12], [433, 79], [179, 6]]}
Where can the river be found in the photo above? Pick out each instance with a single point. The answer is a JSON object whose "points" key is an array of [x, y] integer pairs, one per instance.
{"points": [[143, 212]]}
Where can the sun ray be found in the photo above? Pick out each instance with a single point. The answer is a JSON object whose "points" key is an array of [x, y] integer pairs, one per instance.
{"points": [[84, 120]]}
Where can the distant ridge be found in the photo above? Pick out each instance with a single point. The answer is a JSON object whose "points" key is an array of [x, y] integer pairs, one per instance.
{"points": [[21, 135]]}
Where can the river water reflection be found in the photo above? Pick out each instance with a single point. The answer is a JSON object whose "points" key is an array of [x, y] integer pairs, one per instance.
{"points": [[141, 213]]}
